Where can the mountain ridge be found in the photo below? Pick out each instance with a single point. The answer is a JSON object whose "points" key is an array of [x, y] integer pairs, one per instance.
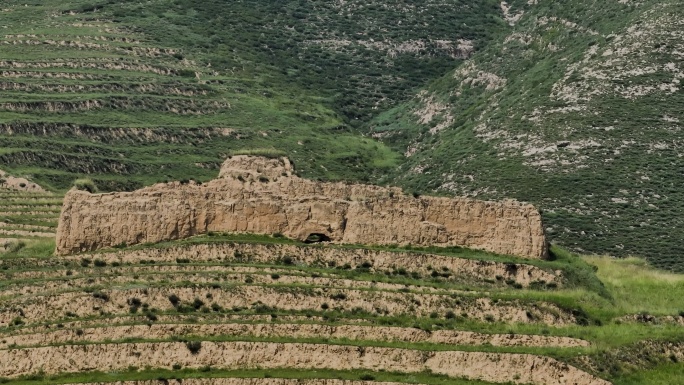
{"points": [[576, 110]]}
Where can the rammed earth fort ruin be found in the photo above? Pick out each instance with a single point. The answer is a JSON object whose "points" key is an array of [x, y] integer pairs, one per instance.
{"points": [[262, 196]]}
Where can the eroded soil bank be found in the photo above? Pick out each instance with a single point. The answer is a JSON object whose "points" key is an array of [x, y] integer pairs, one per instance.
{"points": [[79, 304], [493, 367], [352, 332], [459, 268]]}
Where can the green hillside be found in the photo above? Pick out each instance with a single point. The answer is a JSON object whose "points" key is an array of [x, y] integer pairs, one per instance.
{"points": [[574, 106], [131, 92], [577, 109]]}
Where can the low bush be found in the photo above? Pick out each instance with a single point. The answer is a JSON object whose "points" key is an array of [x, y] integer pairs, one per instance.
{"points": [[194, 346], [85, 184], [175, 300]]}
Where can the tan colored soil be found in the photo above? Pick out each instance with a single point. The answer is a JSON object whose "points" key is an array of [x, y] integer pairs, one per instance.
{"points": [[45, 287], [19, 184], [44, 308], [655, 320], [24, 233], [310, 255], [192, 318], [27, 227], [493, 367], [188, 269], [249, 381], [352, 332]]}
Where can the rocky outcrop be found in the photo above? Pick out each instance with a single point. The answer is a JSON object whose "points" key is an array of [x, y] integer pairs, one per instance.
{"points": [[261, 195]]}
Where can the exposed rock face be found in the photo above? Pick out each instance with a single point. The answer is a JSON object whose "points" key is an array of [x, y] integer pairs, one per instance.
{"points": [[261, 195]]}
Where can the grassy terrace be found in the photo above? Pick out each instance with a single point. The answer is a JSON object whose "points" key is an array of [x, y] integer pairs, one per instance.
{"points": [[623, 308], [27, 215], [132, 93]]}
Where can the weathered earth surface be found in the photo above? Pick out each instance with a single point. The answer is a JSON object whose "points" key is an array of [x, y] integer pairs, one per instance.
{"points": [[351, 332], [460, 268], [14, 183], [261, 195], [493, 367], [249, 381], [41, 308]]}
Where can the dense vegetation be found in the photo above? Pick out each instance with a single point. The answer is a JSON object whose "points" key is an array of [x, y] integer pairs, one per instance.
{"points": [[578, 109], [130, 92]]}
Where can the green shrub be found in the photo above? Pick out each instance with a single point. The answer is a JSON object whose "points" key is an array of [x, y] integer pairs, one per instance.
{"points": [[85, 184], [14, 246], [100, 263], [197, 303], [194, 346], [101, 295], [175, 300]]}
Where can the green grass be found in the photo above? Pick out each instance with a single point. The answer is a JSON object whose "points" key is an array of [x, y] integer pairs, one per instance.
{"points": [[489, 149], [278, 87], [666, 374], [353, 375], [638, 288]]}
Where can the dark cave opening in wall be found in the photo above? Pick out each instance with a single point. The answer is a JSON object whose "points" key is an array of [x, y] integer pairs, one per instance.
{"points": [[317, 238]]}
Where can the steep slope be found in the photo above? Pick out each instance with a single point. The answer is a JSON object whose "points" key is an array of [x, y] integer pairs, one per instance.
{"points": [[132, 92], [577, 110]]}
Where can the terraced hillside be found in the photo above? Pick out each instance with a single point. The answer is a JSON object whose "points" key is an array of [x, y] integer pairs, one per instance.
{"points": [[84, 95], [132, 92], [573, 106], [243, 309], [27, 212], [578, 109]]}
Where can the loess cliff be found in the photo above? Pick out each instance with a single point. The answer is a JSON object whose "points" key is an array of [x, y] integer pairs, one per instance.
{"points": [[263, 196]]}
